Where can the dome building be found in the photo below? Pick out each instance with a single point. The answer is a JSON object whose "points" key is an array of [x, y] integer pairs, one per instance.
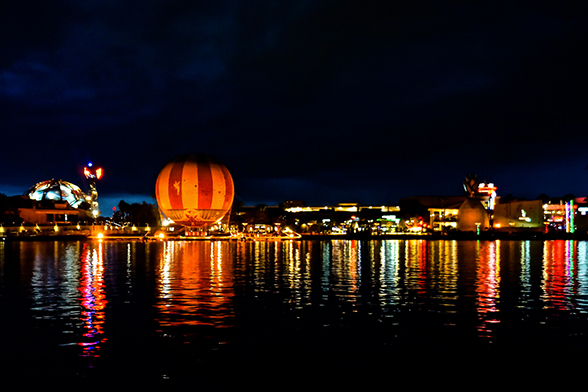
{"points": [[53, 202], [58, 190]]}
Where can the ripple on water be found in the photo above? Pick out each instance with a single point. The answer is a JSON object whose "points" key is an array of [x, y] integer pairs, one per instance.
{"points": [[185, 308]]}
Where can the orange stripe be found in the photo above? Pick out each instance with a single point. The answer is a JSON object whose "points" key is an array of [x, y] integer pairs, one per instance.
{"points": [[229, 189], [190, 183], [161, 187], [204, 183], [157, 194], [175, 184], [218, 186]]}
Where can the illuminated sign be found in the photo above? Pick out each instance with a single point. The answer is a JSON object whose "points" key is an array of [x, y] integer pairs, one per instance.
{"points": [[524, 216], [489, 190], [557, 207], [570, 228]]}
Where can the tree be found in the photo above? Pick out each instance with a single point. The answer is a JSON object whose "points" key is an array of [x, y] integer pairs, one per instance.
{"points": [[260, 214], [9, 211], [543, 197], [136, 213], [508, 198]]}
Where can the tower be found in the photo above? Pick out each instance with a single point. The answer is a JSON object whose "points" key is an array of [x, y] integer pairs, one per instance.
{"points": [[92, 175]]}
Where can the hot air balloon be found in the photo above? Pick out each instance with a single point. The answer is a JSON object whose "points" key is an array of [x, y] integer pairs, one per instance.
{"points": [[194, 190]]}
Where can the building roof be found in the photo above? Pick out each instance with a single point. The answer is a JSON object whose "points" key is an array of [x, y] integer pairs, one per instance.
{"points": [[57, 190]]}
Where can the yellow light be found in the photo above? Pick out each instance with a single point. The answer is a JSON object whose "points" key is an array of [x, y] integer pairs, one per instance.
{"points": [[55, 228], [100, 235], [161, 235]]}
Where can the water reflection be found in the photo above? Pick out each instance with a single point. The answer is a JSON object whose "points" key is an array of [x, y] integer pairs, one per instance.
{"points": [[416, 258], [297, 278], [582, 262], [389, 292], [67, 291], [487, 285], [195, 284], [444, 274], [559, 283], [92, 298], [54, 278], [525, 274], [345, 274]]}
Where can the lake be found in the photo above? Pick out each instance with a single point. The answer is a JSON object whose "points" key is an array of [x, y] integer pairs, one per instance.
{"points": [[332, 313]]}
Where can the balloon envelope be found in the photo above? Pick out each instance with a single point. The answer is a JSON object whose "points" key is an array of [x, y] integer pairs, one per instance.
{"points": [[194, 190]]}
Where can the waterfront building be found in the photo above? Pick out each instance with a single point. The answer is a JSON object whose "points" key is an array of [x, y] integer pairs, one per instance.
{"points": [[519, 215], [561, 215], [49, 212], [49, 203], [342, 218], [472, 216], [555, 215], [437, 213], [346, 218]]}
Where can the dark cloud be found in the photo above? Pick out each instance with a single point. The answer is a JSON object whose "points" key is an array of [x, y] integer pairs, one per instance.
{"points": [[324, 101]]}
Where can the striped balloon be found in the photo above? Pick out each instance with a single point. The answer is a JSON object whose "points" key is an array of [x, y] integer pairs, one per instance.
{"points": [[194, 190]]}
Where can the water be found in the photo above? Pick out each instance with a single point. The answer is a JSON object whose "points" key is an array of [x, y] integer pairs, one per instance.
{"points": [[338, 312]]}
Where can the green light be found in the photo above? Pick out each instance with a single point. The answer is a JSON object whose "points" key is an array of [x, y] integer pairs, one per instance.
{"points": [[572, 216]]}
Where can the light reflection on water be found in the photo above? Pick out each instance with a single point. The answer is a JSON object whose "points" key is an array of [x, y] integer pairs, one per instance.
{"points": [[179, 297], [487, 285], [195, 284], [67, 283], [565, 269], [93, 299]]}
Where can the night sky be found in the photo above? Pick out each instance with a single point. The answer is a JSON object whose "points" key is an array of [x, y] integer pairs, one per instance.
{"points": [[321, 101]]}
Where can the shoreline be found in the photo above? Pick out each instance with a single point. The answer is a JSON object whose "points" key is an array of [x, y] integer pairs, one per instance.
{"points": [[457, 236], [354, 236]]}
